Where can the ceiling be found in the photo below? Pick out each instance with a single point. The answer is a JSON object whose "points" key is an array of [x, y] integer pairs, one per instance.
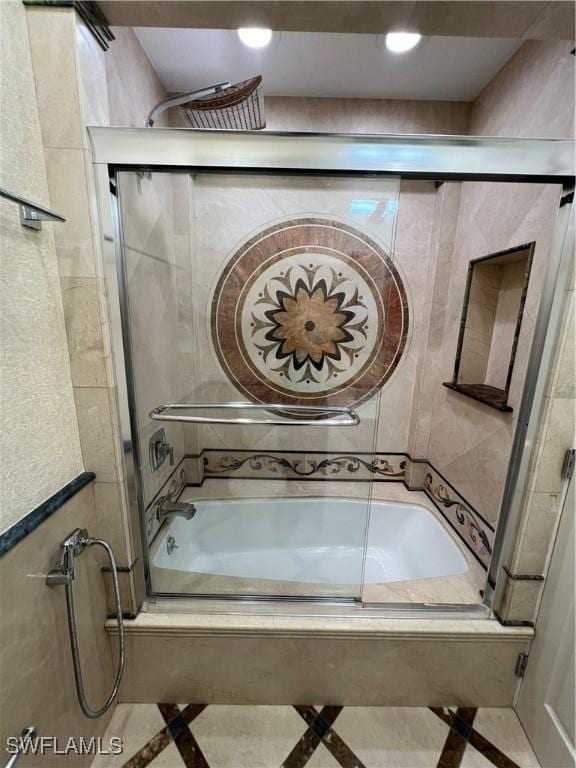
{"points": [[327, 64], [527, 19]]}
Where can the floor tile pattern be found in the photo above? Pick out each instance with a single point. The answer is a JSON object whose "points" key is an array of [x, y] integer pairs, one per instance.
{"points": [[218, 736]]}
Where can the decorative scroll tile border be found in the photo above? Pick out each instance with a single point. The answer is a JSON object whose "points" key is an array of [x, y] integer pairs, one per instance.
{"points": [[303, 465], [475, 532]]}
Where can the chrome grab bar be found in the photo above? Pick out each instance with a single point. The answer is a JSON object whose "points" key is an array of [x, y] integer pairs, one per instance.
{"points": [[352, 419], [31, 214], [25, 737]]}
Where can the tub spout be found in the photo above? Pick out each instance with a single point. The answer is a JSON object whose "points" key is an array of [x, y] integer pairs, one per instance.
{"points": [[167, 508]]}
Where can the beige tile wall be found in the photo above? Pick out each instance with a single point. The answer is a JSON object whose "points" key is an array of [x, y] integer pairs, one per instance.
{"points": [[467, 441], [36, 674], [36, 398], [79, 85], [66, 61], [545, 490], [480, 315], [366, 115]]}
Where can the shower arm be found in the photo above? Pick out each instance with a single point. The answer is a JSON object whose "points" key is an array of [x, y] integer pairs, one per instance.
{"points": [[177, 101]]}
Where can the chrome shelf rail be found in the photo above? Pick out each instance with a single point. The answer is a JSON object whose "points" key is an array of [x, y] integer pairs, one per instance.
{"points": [[31, 214], [351, 417]]}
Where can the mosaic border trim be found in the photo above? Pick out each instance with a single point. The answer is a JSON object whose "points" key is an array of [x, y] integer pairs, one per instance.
{"points": [[309, 465], [32, 520]]}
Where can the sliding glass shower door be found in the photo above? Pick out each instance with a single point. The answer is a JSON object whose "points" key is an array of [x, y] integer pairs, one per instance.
{"points": [[265, 319]]}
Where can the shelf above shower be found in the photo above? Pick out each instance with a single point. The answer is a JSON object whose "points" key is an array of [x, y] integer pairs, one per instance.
{"points": [[345, 417]]}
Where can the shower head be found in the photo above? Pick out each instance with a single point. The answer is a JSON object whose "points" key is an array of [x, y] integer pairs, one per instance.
{"points": [[238, 107]]}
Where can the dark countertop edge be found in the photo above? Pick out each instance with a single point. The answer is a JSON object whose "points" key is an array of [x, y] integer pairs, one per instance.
{"points": [[32, 520]]}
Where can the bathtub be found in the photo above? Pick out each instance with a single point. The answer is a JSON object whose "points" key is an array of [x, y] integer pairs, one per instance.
{"points": [[300, 546]]}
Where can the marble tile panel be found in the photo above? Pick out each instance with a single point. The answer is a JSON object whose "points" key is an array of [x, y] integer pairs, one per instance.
{"points": [[254, 736], [82, 299], [134, 88], [541, 105], [562, 383], [99, 435], [365, 115], [174, 665], [502, 728], [154, 326], [480, 474], [93, 87], [135, 725], [112, 519], [322, 758], [540, 516], [69, 195], [244, 489], [52, 41], [557, 438], [379, 736], [521, 600], [147, 221]]}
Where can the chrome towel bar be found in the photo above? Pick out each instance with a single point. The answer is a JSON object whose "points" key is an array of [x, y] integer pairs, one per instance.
{"points": [[351, 417], [31, 214]]}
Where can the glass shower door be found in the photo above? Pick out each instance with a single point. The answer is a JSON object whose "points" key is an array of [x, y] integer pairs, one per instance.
{"points": [[275, 301]]}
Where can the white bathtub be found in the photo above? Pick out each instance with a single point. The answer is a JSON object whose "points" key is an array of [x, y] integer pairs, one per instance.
{"points": [[305, 540]]}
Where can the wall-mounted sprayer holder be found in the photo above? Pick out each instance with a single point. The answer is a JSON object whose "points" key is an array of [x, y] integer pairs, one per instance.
{"points": [[63, 575]]}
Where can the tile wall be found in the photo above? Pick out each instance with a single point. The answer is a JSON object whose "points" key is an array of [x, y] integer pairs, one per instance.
{"points": [[37, 403]]}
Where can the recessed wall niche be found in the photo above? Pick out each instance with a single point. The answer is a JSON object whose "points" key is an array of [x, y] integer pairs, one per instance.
{"points": [[490, 325]]}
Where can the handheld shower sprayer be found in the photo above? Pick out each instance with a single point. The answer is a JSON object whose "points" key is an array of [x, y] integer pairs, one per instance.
{"points": [[63, 575]]}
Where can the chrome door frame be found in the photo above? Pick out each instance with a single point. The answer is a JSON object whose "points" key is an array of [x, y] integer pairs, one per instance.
{"points": [[440, 158]]}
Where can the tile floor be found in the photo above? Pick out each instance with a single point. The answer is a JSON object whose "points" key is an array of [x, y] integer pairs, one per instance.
{"points": [[218, 736]]}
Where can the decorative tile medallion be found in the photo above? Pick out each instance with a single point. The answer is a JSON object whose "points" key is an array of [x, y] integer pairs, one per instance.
{"points": [[309, 312]]}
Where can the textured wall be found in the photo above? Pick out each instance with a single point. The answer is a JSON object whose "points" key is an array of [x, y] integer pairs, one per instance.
{"points": [[40, 445]]}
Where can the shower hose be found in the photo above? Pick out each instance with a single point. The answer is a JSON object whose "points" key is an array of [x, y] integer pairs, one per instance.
{"points": [[88, 711]]}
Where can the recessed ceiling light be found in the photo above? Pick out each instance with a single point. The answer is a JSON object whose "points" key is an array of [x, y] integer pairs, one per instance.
{"points": [[400, 42], [255, 37]]}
